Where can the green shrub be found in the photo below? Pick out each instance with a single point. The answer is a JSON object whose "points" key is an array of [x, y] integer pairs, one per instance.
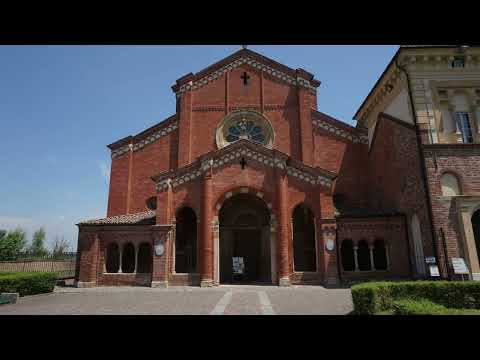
{"points": [[417, 307], [27, 283], [374, 297]]}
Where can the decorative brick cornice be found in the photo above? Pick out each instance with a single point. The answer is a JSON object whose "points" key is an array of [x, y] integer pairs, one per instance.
{"points": [[146, 141], [245, 60], [233, 153], [128, 219], [337, 128]]}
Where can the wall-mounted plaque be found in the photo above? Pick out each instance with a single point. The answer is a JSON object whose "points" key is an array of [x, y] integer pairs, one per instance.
{"points": [[459, 266], [159, 249], [434, 272], [430, 260], [330, 245]]}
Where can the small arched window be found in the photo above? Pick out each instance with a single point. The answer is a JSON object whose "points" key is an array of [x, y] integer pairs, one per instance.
{"points": [[144, 257], [128, 258], [380, 255], [152, 203], [450, 185], [112, 262]]}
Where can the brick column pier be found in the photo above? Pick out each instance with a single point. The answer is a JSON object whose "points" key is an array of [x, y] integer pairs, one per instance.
{"points": [[88, 248], [282, 233], [206, 269]]}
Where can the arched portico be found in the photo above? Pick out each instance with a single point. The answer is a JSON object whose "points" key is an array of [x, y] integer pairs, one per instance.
{"points": [[245, 229]]}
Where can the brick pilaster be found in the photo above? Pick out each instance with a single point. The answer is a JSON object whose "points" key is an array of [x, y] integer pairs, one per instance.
{"points": [[206, 259], [185, 118], [282, 233], [306, 130]]}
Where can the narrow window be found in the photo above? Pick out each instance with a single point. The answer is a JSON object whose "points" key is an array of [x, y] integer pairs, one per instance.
{"points": [[112, 258], [363, 256], [128, 258], [144, 259], [464, 127], [380, 255]]}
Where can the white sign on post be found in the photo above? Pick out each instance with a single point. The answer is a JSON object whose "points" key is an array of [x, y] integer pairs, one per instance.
{"points": [[434, 272], [430, 260], [459, 266]]}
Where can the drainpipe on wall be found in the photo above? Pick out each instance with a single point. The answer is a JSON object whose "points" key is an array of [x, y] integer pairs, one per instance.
{"points": [[422, 166]]}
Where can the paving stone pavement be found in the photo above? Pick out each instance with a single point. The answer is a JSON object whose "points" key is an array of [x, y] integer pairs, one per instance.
{"points": [[221, 300]]}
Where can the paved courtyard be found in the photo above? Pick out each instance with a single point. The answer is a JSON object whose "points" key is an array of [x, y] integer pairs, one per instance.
{"points": [[222, 300]]}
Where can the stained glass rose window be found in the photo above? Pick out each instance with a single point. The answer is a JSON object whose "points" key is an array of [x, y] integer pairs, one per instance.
{"points": [[245, 124]]}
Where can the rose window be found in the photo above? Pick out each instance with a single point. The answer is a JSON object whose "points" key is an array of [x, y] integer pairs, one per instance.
{"points": [[246, 129]]}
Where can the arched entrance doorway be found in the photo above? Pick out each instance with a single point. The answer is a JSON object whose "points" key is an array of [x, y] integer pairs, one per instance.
{"points": [[476, 230], [244, 222]]}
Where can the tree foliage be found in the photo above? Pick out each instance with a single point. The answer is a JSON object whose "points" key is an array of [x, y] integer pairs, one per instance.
{"points": [[37, 248], [11, 244]]}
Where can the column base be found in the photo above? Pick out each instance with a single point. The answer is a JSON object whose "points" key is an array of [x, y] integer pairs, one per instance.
{"points": [[159, 284], [207, 283], [84, 284], [284, 282]]}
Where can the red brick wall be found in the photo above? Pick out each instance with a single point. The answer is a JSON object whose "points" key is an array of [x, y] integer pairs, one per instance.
{"points": [[395, 174], [464, 162]]}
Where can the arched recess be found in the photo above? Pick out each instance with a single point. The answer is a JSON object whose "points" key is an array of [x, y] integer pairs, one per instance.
{"points": [[348, 256], [380, 255], [186, 241], [476, 229], [244, 232], [112, 262], [144, 258], [418, 245], [128, 258], [304, 247], [450, 184], [363, 256]]}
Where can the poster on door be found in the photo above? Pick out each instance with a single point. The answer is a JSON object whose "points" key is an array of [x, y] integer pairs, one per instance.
{"points": [[238, 265]]}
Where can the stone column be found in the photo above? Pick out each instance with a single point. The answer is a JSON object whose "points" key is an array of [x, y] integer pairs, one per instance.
{"points": [[206, 271], [372, 262], [387, 255], [136, 258], [355, 256], [282, 233]]}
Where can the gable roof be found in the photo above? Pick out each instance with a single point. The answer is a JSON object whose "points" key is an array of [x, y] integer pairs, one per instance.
{"points": [[233, 153], [252, 58], [140, 218]]}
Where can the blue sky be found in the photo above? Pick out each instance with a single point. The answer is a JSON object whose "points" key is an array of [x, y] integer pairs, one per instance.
{"points": [[61, 105]]}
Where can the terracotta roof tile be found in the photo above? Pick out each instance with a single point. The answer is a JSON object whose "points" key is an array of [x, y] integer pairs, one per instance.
{"points": [[129, 219]]}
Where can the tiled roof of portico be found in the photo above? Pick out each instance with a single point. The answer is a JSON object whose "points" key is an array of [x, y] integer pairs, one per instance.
{"points": [[128, 219]]}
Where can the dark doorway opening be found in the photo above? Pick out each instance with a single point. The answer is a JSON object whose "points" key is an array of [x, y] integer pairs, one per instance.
{"points": [[245, 233], [186, 241], [304, 250]]}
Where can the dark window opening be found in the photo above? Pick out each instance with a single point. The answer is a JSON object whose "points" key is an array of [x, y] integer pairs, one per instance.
{"points": [[152, 203], [128, 258], [380, 255], [144, 259], [476, 230], [348, 257], [112, 258], [186, 241], [464, 126], [458, 62], [363, 256], [305, 258]]}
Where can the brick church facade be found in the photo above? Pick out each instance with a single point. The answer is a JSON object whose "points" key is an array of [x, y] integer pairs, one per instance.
{"points": [[248, 167]]}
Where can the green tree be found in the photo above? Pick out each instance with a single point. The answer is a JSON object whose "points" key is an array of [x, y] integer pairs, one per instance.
{"points": [[2, 233], [11, 244], [37, 248]]}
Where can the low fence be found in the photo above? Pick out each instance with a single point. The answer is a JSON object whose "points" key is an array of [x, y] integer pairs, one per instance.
{"points": [[63, 265]]}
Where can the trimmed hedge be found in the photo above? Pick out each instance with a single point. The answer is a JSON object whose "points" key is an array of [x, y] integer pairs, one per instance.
{"points": [[375, 297], [27, 283], [427, 307]]}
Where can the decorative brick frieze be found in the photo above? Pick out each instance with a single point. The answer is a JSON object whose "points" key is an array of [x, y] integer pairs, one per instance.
{"points": [[234, 154], [144, 142], [337, 131], [208, 109], [280, 75]]}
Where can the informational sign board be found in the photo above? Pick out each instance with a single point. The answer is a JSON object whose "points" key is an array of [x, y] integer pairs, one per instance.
{"points": [[430, 260], [434, 272], [238, 265], [459, 266]]}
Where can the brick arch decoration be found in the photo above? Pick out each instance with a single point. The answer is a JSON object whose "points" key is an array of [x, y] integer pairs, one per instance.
{"points": [[244, 190], [457, 176]]}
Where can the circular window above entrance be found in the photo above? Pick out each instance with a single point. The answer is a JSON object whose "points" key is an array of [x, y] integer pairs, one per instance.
{"points": [[245, 124]]}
